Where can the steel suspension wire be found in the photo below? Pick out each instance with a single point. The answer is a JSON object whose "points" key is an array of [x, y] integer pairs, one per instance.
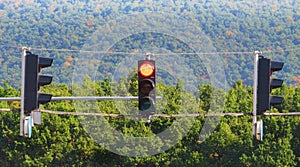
{"points": [[169, 115], [155, 54], [155, 115]]}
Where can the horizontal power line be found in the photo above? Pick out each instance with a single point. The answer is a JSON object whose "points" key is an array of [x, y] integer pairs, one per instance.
{"points": [[139, 53], [8, 109], [155, 54], [89, 98], [169, 115], [96, 98], [163, 54], [155, 115], [131, 115], [282, 114], [10, 99]]}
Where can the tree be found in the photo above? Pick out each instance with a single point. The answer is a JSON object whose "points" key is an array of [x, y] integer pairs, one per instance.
{"points": [[239, 98], [275, 149]]}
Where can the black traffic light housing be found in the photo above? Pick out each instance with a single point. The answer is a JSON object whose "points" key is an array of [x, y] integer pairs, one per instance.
{"points": [[33, 81], [44, 98], [31, 88], [146, 87], [266, 83]]}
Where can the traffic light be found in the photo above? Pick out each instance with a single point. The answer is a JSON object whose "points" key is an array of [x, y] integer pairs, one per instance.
{"points": [[33, 80], [266, 83], [44, 98], [146, 87]]}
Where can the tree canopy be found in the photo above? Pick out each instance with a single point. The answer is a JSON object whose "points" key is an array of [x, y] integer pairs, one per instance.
{"points": [[67, 140]]}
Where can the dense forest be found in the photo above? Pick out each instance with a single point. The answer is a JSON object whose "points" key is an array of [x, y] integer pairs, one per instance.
{"points": [[68, 140], [229, 26], [204, 64]]}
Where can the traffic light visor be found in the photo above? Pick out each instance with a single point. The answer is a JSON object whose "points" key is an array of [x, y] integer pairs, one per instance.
{"points": [[146, 86], [146, 69], [276, 66]]}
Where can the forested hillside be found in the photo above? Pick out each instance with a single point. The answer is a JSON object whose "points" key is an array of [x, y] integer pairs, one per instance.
{"points": [[203, 51], [231, 26]]}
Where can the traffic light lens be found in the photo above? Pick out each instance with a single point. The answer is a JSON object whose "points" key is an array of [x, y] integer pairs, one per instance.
{"points": [[146, 86], [146, 69], [146, 104]]}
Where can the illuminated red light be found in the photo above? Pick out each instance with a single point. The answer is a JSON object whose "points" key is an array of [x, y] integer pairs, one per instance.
{"points": [[146, 69]]}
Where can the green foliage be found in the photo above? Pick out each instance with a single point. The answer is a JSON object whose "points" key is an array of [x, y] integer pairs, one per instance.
{"points": [[239, 98], [64, 141], [230, 25], [276, 148]]}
